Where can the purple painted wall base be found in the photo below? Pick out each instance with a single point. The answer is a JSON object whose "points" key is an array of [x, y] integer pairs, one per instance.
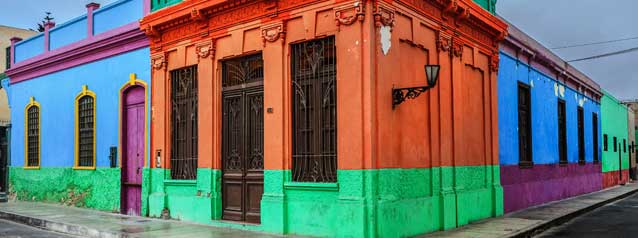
{"points": [[544, 183]]}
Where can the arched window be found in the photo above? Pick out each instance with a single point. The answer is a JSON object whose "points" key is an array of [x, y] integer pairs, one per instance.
{"points": [[85, 130], [32, 135]]}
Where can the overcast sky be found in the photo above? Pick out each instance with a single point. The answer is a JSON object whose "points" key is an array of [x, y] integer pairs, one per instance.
{"points": [[554, 23]]}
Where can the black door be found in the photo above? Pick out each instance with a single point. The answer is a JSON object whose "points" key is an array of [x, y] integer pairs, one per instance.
{"points": [[242, 139]]}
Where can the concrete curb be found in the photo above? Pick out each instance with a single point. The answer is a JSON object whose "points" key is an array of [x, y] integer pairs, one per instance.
{"points": [[60, 227], [535, 230]]}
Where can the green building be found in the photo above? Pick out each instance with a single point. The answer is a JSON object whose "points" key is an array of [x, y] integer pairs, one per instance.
{"points": [[615, 141]]}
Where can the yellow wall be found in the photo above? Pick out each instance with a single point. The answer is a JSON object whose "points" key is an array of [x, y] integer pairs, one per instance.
{"points": [[6, 33]]}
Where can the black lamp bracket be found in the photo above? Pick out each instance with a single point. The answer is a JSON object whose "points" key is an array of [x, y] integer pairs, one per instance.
{"points": [[401, 94]]}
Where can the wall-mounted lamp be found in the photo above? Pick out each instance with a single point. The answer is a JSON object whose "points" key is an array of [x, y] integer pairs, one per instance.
{"points": [[401, 94]]}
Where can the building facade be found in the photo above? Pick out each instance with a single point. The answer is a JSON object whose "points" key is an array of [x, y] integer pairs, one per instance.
{"points": [[80, 95], [6, 33], [631, 142], [280, 114], [615, 164], [549, 125], [632, 106]]}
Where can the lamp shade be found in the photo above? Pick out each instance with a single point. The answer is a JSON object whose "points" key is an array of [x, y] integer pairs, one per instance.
{"points": [[432, 74]]}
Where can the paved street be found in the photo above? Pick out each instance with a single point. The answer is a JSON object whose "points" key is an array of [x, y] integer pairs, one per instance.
{"points": [[617, 219], [14, 230]]}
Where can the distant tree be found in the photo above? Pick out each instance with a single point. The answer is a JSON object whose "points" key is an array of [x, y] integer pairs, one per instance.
{"points": [[46, 20]]}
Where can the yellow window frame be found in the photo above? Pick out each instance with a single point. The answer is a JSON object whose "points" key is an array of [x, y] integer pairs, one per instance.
{"points": [[32, 103], [85, 92]]}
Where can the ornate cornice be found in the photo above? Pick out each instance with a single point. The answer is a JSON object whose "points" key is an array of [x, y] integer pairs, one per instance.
{"points": [[195, 18], [462, 18], [348, 14], [273, 32]]}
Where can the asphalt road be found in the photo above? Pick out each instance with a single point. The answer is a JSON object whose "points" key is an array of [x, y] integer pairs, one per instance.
{"points": [[14, 230], [618, 219]]}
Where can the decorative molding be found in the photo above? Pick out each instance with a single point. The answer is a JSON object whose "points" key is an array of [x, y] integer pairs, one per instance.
{"points": [[204, 49], [450, 8], [158, 61], [462, 16], [197, 15], [457, 48], [383, 15], [494, 60], [346, 15], [117, 41], [273, 32], [443, 42]]}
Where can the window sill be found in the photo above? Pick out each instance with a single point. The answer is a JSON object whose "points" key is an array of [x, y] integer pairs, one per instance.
{"points": [[83, 168], [31, 167], [175, 182], [312, 186], [526, 165]]}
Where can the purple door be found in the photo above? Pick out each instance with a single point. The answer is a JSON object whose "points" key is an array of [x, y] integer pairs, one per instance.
{"points": [[132, 150]]}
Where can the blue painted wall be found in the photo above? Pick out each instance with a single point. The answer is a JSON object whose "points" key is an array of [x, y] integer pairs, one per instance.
{"points": [[67, 33], [117, 14], [56, 94], [545, 92], [29, 47], [106, 18]]}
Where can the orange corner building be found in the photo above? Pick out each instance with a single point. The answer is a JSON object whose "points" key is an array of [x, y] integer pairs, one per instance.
{"points": [[317, 118]]}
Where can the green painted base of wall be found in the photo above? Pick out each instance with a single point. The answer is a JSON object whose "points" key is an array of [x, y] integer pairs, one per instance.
{"points": [[383, 203], [98, 189], [191, 200]]}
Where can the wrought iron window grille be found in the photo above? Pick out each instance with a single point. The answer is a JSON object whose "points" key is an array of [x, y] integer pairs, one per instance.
{"points": [[314, 105], [184, 140], [399, 95]]}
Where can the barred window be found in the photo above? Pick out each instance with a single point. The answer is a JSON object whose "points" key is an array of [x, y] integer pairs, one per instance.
{"points": [[32, 135], [184, 123], [314, 106], [86, 131]]}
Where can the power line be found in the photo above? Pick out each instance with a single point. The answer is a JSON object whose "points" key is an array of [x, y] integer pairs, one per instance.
{"points": [[605, 55], [594, 43]]}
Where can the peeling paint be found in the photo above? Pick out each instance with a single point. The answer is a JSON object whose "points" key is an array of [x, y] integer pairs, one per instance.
{"points": [[386, 35], [581, 102], [561, 89], [556, 89], [531, 83]]}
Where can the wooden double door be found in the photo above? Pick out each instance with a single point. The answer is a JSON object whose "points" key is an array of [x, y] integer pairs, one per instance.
{"points": [[242, 139]]}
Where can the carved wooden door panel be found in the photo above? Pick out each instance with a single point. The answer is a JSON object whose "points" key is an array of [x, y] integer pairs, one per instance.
{"points": [[242, 139]]}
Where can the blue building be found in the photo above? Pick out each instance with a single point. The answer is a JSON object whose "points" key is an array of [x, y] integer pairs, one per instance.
{"points": [[80, 94], [549, 125]]}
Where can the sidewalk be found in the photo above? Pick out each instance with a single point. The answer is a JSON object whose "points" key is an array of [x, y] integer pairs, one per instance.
{"points": [[534, 220], [91, 223]]}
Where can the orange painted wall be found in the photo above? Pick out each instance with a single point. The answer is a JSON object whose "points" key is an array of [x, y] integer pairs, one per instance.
{"points": [[452, 124]]}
